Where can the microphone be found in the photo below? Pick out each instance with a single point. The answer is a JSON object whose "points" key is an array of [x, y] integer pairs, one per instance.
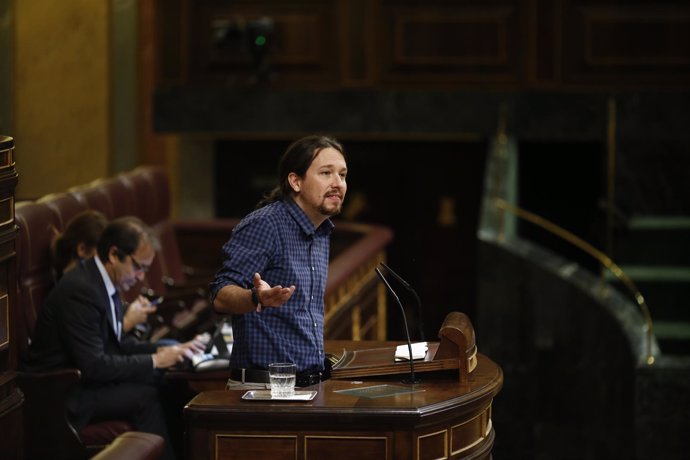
{"points": [[407, 286], [412, 378]]}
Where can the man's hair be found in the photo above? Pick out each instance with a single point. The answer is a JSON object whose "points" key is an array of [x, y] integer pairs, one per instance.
{"points": [[125, 233], [298, 158]]}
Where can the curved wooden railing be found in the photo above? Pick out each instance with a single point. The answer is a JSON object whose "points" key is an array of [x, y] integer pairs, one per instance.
{"points": [[355, 302]]}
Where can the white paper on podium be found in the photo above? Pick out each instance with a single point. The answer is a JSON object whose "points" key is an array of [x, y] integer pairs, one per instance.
{"points": [[402, 353]]}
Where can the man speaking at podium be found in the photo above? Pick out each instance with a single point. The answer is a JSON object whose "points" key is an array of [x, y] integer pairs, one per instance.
{"points": [[274, 273]]}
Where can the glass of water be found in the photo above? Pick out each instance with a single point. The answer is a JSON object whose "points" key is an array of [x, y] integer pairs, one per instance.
{"points": [[282, 376]]}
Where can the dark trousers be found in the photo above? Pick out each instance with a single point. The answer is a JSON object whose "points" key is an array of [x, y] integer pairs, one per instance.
{"points": [[137, 403]]}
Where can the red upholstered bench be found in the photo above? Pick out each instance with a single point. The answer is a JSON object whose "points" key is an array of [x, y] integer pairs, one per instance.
{"points": [[47, 432], [133, 445], [143, 192]]}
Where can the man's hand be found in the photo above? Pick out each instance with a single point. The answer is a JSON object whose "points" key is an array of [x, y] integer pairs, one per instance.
{"points": [[271, 296], [238, 300], [193, 347], [137, 313], [168, 356]]}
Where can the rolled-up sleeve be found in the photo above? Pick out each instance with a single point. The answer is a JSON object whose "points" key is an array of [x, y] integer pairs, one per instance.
{"points": [[247, 252]]}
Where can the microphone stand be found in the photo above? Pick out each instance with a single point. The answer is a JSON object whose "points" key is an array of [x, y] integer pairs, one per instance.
{"points": [[412, 378], [407, 286]]}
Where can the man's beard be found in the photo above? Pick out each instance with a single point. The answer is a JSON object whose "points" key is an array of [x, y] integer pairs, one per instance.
{"points": [[330, 212]]}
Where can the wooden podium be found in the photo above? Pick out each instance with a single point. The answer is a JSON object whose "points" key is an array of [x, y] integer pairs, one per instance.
{"points": [[456, 350], [356, 417]]}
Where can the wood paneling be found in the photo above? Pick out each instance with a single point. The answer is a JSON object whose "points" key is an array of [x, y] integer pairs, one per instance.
{"points": [[466, 435], [342, 447], [544, 34], [11, 399], [236, 447], [440, 419], [358, 56], [627, 44], [4, 322], [433, 445], [302, 47], [172, 29], [441, 43], [457, 44]]}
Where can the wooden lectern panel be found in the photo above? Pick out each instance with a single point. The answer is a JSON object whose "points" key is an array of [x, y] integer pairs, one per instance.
{"points": [[364, 411], [456, 350], [343, 447], [242, 446], [438, 418]]}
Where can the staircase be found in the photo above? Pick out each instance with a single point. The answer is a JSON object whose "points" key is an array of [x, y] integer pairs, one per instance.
{"points": [[655, 254]]}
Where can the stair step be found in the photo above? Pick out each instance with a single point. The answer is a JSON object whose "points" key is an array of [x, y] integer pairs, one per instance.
{"points": [[655, 254], [679, 330], [656, 273], [673, 336], [654, 240], [666, 289], [659, 223]]}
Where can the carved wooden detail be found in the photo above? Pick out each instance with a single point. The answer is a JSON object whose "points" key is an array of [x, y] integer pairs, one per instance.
{"points": [[456, 350], [445, 43], [400, 43], [11, 399], [627, 43], [300, 46]]}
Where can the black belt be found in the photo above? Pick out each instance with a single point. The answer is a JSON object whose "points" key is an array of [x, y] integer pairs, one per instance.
{"points": [[304, 379]]}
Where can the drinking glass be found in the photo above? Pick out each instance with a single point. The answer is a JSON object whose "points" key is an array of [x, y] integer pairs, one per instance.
{"points": [[282, 376]]}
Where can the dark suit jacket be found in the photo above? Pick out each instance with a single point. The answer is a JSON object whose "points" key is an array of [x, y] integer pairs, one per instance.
{"points": [[74, 329]]}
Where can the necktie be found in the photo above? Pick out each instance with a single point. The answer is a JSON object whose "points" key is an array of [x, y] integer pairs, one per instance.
{"points": [[117, 315]]}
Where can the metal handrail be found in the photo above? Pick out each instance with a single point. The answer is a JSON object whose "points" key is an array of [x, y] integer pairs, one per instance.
{"points": [[603, 259]]}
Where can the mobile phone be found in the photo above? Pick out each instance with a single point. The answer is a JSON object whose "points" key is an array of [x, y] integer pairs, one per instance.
{"points": [[157, 300]]}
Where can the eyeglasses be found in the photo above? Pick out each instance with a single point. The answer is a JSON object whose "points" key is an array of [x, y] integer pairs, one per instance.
{"points": [[137, 266]]}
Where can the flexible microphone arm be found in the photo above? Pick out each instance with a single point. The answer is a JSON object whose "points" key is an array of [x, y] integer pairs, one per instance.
{"points": [[407, 286], [412, 378]]}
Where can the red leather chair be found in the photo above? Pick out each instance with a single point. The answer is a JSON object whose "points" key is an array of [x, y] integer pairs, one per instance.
{"points": [[64, 205], [133, 445], [123, 201], [187, 311], [47, 432], [94, 198], [153, 196], [36, 226]]}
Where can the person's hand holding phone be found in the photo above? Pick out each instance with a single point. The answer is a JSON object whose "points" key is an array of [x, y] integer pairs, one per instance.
{"points": [[139, 311]]}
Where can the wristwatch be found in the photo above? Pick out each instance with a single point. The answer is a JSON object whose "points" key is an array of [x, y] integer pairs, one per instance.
{"points": [[255, 299]]}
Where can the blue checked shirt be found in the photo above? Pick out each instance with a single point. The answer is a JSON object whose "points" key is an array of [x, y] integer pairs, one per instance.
{"points": [[280, 243]]}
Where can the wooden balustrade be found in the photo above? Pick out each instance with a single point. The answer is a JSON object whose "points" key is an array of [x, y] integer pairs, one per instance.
{"points": [[355, 303]]}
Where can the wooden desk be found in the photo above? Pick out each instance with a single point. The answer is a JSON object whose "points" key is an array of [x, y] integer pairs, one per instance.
{"points": [[216, 380], [443, 420]]}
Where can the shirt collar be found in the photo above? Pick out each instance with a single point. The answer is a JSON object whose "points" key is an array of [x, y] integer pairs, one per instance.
{"points": [[303, 221], [109, 286]]}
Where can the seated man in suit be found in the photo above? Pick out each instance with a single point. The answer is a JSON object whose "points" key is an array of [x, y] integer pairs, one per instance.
{"points": [[80, 326], [79, 241]]}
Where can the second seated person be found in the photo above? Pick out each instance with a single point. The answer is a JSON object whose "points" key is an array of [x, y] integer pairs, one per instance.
{"points": [[275, 267]]}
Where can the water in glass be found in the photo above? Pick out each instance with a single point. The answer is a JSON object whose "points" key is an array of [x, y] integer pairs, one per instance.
{"points": [[282, 377]]}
